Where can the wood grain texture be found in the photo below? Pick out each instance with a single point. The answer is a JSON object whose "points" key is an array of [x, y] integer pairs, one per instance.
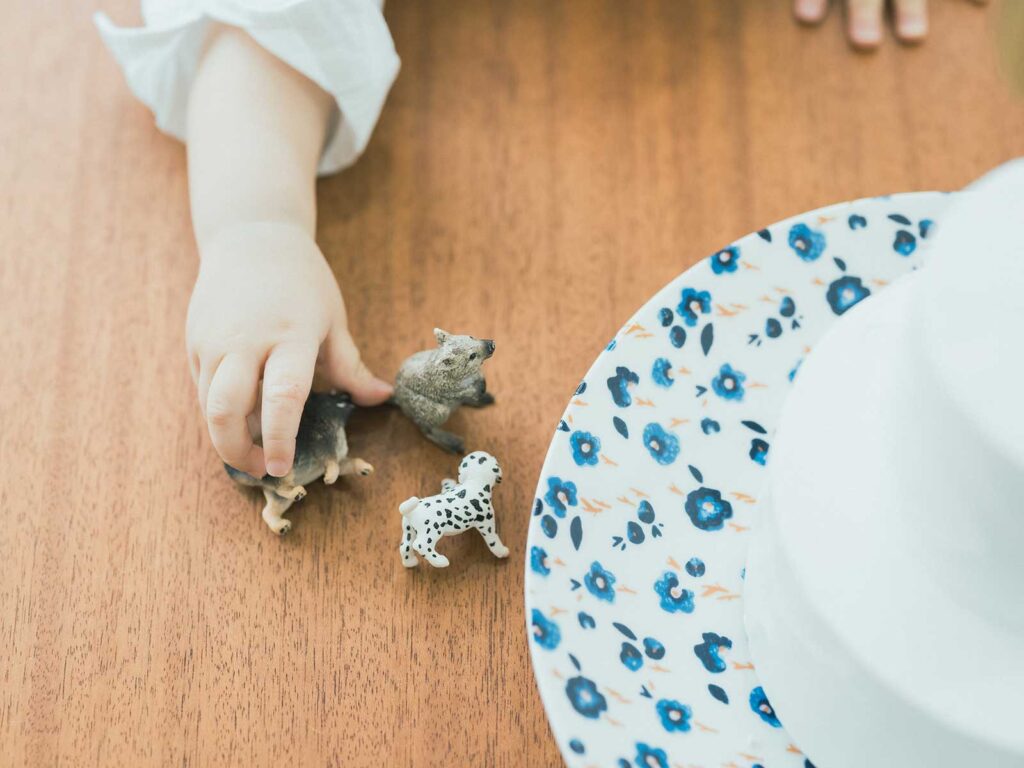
{"points": [[540, 169]]}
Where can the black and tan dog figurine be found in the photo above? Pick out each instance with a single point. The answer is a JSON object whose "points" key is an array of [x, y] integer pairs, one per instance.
{"points": [[321, 450]]}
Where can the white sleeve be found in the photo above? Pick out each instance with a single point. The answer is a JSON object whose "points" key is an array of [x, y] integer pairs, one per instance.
{"points": [[344, 46]]}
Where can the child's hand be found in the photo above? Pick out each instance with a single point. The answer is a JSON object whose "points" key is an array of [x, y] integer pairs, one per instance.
{"points": [[864, 19], [266, 304]]}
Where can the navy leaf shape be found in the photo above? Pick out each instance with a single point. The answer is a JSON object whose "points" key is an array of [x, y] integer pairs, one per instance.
{"points": [[574, 662], [624, 630], [576, 532], [707, 338], [755, 426], [701, 390], [840, 263], [899, 218], [620, 426], [696, 474], [764, 234]]}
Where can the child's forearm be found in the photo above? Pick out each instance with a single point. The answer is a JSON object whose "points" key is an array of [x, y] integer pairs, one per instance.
{"points": [[256, 129]]}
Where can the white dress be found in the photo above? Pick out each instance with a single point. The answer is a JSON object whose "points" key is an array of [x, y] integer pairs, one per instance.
{"points": [[344, 46]]}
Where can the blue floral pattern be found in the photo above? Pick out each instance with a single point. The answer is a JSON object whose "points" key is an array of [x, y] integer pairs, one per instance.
{"points": [[585, 448], [725, 260], [545, 631], [728, 384], [638, 641], [693, 304], [674, 598], [807, 243], [661, 444], [845, 293], [600, 583]]}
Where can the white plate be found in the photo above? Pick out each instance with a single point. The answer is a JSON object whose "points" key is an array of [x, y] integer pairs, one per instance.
{"points": [[634, 572]]}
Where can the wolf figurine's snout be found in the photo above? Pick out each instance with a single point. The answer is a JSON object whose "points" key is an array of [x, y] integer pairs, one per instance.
{"points": [[489, 346]]}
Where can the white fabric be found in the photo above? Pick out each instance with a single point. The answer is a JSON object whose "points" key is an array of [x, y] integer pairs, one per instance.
{"points": [[344, 46]]}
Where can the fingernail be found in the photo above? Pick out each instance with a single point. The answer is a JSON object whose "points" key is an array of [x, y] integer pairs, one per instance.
{"points": [[277, 468], [913, 27], [808, 10], [865, 32], [383, 387]]}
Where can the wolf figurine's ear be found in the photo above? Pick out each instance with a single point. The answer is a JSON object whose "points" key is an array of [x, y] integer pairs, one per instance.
{"points": [[441, 336]]}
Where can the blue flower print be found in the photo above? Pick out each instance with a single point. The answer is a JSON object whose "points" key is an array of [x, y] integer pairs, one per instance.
{"points": [[673, 597], [539, 561], [618, 385], [759, 704], [856, 221], [561, 495], [586, 620], [924, 226], [728, 384], [759, 451], [695, 567], [545, 631], [650, 757], [674, 716], [846, 292], [665, 317], [693, 304], [725, 260], [600, 583], [577, 746], [677, 336], [661, 372], [905, 243], [707, 509], [807, 243], [585, 698], [772, 328], [662, 445], [710, 426], [585, 447], [708, 651], [549, 525], [631, 657], [653, 648]]}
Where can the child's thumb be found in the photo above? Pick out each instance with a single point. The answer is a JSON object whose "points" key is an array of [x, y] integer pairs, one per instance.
{"points": [[346, 370]]}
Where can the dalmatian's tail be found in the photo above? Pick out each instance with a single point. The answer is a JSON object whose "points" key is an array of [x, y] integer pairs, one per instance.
{"points": [[408, 505]]}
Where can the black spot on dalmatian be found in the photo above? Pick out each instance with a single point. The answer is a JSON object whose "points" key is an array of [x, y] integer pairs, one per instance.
{"points": [[489, 515], [461, 494], [479, 518], [448, 513], [494, 470], [476, 505], [487, 487], [481, 460]]}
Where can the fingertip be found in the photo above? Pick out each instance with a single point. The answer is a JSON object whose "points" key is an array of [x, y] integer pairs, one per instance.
{"points": [[865, 35], [912, 30], [372, 391], [278, 467], [809, 11]]}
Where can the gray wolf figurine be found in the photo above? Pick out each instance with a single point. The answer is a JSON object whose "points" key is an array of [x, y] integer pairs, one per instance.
{"points": [[433, 383]]}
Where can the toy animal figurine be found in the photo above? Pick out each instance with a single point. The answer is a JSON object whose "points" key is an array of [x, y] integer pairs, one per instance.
{"points": [[459, 507], [321, 449], [433, 383]]}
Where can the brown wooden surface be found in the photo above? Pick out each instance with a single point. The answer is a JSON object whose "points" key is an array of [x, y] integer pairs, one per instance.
{"points": [[540, 169]]}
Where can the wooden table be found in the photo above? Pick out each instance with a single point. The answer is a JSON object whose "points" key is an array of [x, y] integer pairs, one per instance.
{"points": [[540, 169]]}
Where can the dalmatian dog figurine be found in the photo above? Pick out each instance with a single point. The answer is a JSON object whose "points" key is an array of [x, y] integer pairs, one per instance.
{"points": [[458, 508], [321, 449], [433, 383]]}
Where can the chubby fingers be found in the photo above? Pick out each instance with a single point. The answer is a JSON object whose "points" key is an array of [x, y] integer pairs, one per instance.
{"points": [[287, 378], [226, 401], [345, 369]]}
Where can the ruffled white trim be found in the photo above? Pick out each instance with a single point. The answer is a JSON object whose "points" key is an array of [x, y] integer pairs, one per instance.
{"points": [[344, 46]]}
